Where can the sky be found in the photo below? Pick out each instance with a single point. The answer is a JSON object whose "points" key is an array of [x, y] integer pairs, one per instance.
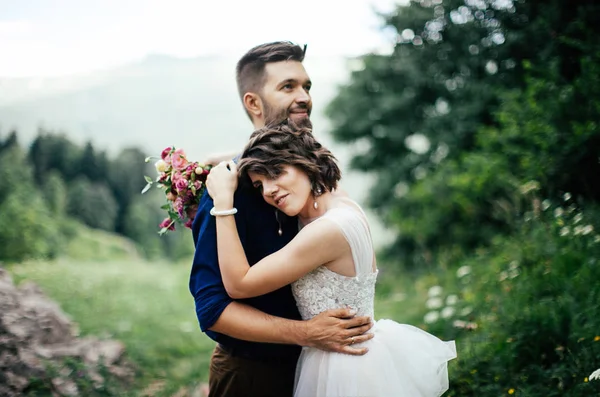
{"points": [[65, 37]]}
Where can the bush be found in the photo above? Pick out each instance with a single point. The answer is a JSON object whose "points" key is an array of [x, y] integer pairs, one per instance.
{"points": [[525, 312]]}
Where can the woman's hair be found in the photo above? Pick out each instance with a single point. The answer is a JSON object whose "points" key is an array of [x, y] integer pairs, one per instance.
{"points": [[277, 145]]}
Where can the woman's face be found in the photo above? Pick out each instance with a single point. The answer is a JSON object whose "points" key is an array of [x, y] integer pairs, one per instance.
{"points": [[290, 192]]}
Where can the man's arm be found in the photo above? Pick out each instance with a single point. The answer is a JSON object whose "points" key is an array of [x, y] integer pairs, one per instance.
{"points": [[331, 330], [216, 311]]}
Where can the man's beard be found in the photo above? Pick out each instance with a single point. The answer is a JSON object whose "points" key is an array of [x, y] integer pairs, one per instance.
{"points": [[275, 116]]}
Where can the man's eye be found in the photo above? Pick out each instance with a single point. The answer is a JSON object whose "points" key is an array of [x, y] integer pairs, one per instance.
{"points": [[308, 87], [287, 87]]}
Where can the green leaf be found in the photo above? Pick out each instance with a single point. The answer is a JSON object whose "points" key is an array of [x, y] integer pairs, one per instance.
{"points": [[165, 207], [146, 188], [148, 179], [147, 159]]}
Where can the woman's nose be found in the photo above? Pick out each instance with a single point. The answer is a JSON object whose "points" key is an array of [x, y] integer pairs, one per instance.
{"points": [[269, 189]]}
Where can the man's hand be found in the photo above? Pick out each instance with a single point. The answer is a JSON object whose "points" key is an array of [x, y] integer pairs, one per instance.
{"points": [[338, 330]]}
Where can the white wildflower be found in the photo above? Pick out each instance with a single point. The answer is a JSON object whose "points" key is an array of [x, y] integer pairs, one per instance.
{"points": [[595, 375], [597, 238], [545, 204], [558, 212], [161, 166], [463, 271], [436, 290], [512, 273], [564, 231], [503, 276], [577, 230], [530, 186], [567, 196], [431, 317], [587, 229], [451, 300], [447, 312], [434, 303], [466, 311], [459, 324], [577, 218]]}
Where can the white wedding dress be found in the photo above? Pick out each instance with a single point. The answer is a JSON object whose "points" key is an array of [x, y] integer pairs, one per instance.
{"points": [[402, 361]]}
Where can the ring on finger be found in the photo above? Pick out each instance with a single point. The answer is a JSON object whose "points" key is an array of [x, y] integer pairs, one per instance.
{"points": [[352, 340]]}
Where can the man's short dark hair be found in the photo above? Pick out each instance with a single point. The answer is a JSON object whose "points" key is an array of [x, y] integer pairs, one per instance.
{"points": [[250, 70]]}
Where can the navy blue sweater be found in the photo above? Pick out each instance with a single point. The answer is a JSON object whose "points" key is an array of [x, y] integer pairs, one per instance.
{"points": [[258, 230]]}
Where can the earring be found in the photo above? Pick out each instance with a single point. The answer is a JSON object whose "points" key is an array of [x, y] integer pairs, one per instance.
{"points": [[279, 231], [317, 193]]}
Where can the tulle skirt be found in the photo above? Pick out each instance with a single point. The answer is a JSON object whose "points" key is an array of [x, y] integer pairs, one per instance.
{"points": [[403, 361]]}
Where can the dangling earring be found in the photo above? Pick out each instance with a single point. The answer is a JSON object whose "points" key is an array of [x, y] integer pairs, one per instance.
{"points": [[317, 193], [279, 231]]}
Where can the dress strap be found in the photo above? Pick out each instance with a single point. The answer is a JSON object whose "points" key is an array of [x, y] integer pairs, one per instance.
{"points": [[355, 229]]}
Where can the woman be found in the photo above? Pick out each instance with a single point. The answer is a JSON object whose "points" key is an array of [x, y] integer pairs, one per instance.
{"points": [[330, 264]]}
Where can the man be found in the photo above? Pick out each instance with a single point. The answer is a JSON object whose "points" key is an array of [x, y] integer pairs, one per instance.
{"points": [[259, 339]]}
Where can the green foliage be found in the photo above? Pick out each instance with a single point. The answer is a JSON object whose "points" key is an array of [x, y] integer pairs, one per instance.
{"points": [[476, 100], [525, 317], [28, 229], [54, 190], [92, 203], [126, 179]]}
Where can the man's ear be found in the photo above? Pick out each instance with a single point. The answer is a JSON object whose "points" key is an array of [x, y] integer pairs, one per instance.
{"points": [[253, 104]]}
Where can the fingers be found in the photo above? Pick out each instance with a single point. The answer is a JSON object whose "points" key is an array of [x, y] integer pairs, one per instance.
{"points": [[360, 338], [342, 313], [357, 322], [354, 351], [229, 165]]}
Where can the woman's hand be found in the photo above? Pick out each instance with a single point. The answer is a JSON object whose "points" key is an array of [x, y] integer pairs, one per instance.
{"points": [[221, 184]]}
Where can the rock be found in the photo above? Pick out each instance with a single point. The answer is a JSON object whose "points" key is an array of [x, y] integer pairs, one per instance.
{"points": [[36, 336]]}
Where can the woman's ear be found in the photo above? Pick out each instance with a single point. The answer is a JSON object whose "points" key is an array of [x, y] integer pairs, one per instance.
{"points": [[253, 105]]}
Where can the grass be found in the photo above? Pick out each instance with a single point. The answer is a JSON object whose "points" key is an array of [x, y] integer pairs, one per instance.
{"points": [[109, 292], [148, 307], [145, 305]]}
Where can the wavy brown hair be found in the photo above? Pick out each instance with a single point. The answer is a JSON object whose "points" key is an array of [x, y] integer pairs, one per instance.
{"points": [[273, 147]]}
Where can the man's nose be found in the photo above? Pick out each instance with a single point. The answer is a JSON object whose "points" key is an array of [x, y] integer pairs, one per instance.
{"points": [[302, 96]]}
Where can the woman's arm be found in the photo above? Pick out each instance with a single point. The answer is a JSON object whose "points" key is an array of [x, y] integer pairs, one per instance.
{"points": [[317, 244]]}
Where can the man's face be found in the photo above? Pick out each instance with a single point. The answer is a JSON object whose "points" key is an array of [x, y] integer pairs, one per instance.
{"points": [[286, 93]]}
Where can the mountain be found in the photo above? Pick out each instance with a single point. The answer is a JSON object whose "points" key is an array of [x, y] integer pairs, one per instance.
{"points": [[161, 101]]}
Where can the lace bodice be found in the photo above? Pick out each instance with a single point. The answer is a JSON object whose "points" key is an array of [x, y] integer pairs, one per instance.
{"points": [[323, 289]]}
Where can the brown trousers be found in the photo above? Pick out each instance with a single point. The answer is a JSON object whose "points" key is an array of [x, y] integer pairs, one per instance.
{"points": [[241, 377]]}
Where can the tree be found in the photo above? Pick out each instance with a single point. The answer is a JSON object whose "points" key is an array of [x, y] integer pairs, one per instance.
{"points": [[28, 230], [126, 178], [93, 204], [423, 115]]}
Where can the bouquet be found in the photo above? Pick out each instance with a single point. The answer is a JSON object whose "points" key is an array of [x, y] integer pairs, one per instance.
{"points": [[183, 183]]}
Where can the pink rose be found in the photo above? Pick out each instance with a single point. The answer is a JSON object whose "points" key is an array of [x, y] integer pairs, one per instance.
{"points": [[178, 159], [181, 185], [168, 223], [165, 154], [198, 185]]}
